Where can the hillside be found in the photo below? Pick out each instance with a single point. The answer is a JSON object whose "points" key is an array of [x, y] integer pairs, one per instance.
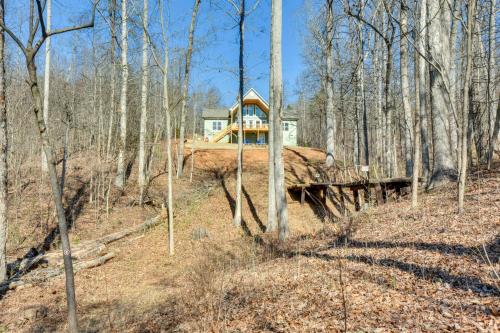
{"points": [[386, 269]]}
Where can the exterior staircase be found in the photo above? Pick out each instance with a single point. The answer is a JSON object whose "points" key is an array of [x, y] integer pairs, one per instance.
{"points": [[225, 131]]}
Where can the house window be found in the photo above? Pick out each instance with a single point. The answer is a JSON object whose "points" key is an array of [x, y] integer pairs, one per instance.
{"points": [[285, 127], [217, 125], [247, 110], [261, 114]]}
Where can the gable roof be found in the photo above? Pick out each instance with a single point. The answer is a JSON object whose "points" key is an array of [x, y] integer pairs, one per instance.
{"points": [[252, 96], [218, 113]]}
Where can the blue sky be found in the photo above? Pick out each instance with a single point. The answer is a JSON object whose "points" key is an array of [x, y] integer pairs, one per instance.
{"points": [[216, 58]]}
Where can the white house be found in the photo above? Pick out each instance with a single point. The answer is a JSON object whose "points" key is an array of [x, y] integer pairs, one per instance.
{"points": [[220, 125]]}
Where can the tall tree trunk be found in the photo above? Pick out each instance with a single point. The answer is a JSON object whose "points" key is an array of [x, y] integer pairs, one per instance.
{"points": [[424, 92], [416, 126], [388, 108], [471, 14], [452, 117], [56, 191], [439, 25], [170, 201], [46, 79], [185, 89], [3, 153], [277, 105], [112, 12], [330, 116], [144, 104], [193, 143], [405, 87], [120, 172], [492, 119], [239, 174], [363, 98], [271, 190], [419, 102]]}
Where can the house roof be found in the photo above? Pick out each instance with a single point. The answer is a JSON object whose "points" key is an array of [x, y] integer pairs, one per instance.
{"points": [[219, 113], [290, 114], [252, 97]]}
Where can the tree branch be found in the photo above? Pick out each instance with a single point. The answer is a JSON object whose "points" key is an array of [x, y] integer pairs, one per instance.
{"points": [[42, 39], [14, 37], [40, 17], [348, 11]]}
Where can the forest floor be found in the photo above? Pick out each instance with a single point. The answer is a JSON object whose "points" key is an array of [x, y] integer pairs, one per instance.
{"points": [[386, 269]]}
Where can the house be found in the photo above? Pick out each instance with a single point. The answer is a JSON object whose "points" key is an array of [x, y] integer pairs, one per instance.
{"points": [[221, 125]]}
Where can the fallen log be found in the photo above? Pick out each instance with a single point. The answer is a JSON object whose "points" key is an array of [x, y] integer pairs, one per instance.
{"points": [[84, 250], [94, 262], [47, 273], [123, 233]]}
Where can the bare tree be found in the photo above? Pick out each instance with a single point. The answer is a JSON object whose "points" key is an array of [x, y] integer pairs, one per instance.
{"points": [[271, 192], [471, 14], [330, 116], [239, 173], [30, 51], [165, 109], [439, 47], [491, 86], [419, 99], [112, 14], [46, 79], [144, 104], [276, 104], [185, 89], [120, 172], [405, 86], [3, 152]]}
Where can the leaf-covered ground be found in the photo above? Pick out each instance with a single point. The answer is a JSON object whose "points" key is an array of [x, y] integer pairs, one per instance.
{"points": [[388, 269]]}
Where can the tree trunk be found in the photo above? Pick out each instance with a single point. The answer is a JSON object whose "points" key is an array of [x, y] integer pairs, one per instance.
{"points": [[112, 11], [271, 190], [239, 174], [3, 154], [277, 105], [330, 116], [144, 105], [405, 87], [471, 13], [388, 107], [120, 172], [492, 119], [170, 201], [193, 143], [419, 99], [46, 79], [51, 162], [363, 99], [424, 92], [444, 168], [452, 117], [185, 90]]}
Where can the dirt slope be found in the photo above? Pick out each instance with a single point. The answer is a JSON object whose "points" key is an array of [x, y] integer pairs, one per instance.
{"points": [[390, 269]]}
